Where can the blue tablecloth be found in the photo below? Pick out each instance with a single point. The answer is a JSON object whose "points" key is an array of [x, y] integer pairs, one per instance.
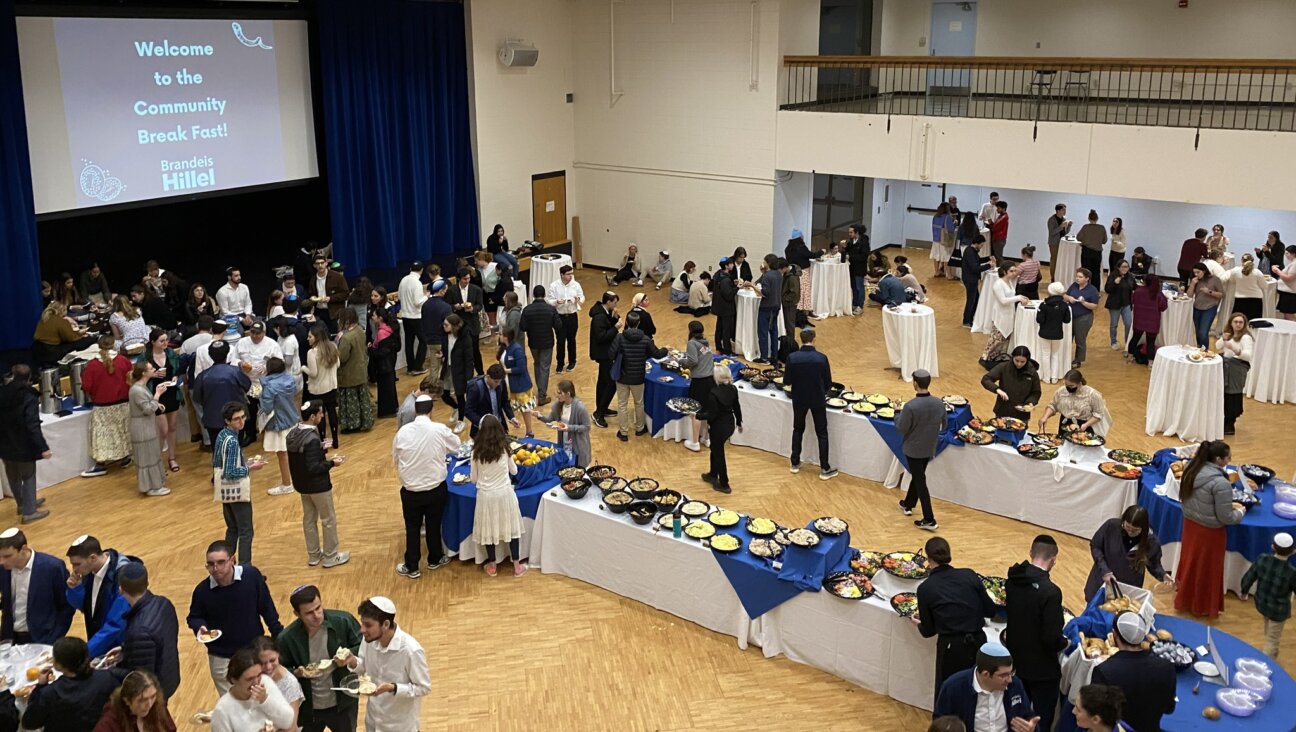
{"points": [[658, 392], [886, 429], [1251, 538], [531, 483], [760, 588], [1278, 714]]}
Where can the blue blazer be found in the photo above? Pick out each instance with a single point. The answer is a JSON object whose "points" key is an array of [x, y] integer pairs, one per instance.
{"points": [[48, 613], [219, 385], [957, 697], [479, 404], [809, 375], [105, 626]]}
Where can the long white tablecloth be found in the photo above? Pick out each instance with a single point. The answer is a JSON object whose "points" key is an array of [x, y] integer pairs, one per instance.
{"points": [[981, 320], [863, 642], [1068, 262], [1071, 497], [909, 331], [1269, 306], [69, 441], [1177, 325], [1185, 398], [1273, 363], [1026, 333], [745, 328], [545, 271], [830, 293]]}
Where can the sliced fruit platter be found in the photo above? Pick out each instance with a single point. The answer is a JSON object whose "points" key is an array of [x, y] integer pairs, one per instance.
{"points": [[1130, 457], [1037, 452], [905, 604], [848, 586], [865, 562], [1043, 438], [863, 408], [997, 589], [905, 565], [1085, 438], [980, 426], [1008, 423], [972, 436], [1120, 470]]}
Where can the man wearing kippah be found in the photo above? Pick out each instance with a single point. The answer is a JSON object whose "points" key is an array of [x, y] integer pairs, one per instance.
{"points": [[1035, 616], [988, 697], [1275, 581], [396, 663], [149, 641], [1147, 680], [310, 477]]}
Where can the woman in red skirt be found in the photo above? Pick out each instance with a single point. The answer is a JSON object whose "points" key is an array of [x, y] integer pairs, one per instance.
{"points": [[1208, 510]]}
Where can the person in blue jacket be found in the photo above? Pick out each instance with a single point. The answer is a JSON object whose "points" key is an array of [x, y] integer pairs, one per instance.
{"points": [[989, 685], [150, 638], [890, 291], [488, 395], [48, 615], [92, 589]]}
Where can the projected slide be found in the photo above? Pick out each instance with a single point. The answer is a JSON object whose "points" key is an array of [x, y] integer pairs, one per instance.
{"points": [[124, 110]]}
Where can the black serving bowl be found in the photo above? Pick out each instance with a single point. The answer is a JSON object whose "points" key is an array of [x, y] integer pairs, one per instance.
{"points": [[601, 471], [746, 374], [607, 485], [643, 489], [571, 472], [576, 488], [662, 500], [772, 374], [617, 507], [835, 390], [642, 512], [759, 382], [1259, 473]]}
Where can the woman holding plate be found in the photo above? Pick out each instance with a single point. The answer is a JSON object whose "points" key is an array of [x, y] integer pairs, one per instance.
{"points": [[1124, 549], [1080, 405], [1016, 382]]}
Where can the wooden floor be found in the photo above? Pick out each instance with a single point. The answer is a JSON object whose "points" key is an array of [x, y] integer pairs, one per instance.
{"points": [[553, 653]]}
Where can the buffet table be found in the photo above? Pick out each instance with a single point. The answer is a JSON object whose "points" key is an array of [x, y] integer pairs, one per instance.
{"points": [[1026, 333], [1159, 494], [531, 483], [1272, 378], [910, 334], [862, 641], [745, 342], [1176, 324], [1185, 398], [660, 386], [830, 289], [69, 442]]}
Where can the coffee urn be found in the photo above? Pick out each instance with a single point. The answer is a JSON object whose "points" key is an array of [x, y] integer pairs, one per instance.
{"points": [[78, 393], [51, 401]]}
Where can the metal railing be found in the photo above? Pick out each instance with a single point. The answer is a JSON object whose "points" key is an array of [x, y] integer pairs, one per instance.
{"points": [[1230, 94]]}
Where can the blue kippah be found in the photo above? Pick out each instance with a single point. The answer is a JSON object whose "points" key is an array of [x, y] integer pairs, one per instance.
{"points": [[995, 650], [132, 571]]}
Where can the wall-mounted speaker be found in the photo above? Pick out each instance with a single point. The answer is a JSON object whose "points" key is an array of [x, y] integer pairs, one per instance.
{"points": [[516, 53]]}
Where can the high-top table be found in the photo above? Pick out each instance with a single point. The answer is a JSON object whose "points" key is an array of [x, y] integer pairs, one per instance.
{"points": [[745, 341], [830, 293], [1185, 397], [1272, 377], [909, 331], [1026, 333], [1176, 324]]}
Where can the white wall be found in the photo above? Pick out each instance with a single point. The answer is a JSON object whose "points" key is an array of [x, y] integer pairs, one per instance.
{"points": [[685, 157], [793, 207], [521, 121], [1160, 227], [1121, 28]]}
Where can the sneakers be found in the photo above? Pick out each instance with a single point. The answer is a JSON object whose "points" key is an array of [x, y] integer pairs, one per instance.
{"points": [[125, 462], [313, 561], [856, 311], [794, 468], [1116, 346], [610, 413], [404, 571], [828, 474], [94, 472], [341, 558], [706, 441], [968, 326], [438, 564], [611, 282], [641, 431], [638, 283], [708, 478], [156, 492], [419, 372], [721, 487], [280, 490], [762, 361], [598, 420], [691, 445], [622, 436], [927, 525], [544, 400], [491, 569], [559, 369], [817, 316], [31, 518], [905, 509], [459, 426], [520, 568]]}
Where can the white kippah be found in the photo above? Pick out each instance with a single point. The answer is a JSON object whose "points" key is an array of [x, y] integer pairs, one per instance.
{"points": [[9, 533], [80, 540], [1131, 627], [1283, 540], [423, 398], [384, 604]]}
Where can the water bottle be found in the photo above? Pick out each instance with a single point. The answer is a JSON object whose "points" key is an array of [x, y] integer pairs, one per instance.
{"points": [[677, 526]]}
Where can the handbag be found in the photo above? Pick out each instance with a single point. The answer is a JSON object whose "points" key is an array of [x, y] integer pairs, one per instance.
{"points": [[238, 490], [947, 238], [616, 367]]}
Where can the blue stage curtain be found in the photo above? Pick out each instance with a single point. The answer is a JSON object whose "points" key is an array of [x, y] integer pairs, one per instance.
{"points": [[399, 146], [20, 296]]}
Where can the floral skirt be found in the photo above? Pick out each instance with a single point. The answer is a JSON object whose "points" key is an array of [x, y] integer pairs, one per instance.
{"points": [[997, 347], [523, 401], [355, 408], [110, 433], [806, 303]]}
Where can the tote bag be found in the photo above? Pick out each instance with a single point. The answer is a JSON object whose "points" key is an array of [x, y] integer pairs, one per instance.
{"points": [[238, 490]]}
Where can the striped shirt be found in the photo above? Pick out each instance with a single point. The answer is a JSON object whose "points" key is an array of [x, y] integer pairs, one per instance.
{"points": [[1028, 272]]}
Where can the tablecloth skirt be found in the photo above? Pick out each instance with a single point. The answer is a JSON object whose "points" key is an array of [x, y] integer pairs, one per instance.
{"points": [[1184, 398], [981, 321], [1177, 325], [830, 289], [1026, 333], [911, 341], [745, 341], [1272, 377]]}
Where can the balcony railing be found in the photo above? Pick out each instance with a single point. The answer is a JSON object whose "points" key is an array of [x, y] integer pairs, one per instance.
{"points": [[1229, 94]]}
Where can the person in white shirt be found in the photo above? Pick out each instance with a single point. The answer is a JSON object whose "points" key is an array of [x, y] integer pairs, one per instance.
{"points": [[1248, 283], [393, 660], [253, 699], [420, 451], [288, 685], [566, 295], [234, 297], [988, 210], [252, 352], [412, 296]]}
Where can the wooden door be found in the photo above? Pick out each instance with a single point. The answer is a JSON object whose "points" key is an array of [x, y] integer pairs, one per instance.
{"points": [[549, 207]]}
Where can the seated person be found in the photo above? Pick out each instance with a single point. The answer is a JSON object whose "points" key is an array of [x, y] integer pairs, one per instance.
{"points": [[56, 336], [890, 290], [664, 270], [631, 268], [680, 286], [911, 282], [154, 309], [699, 299], [877, 262]]}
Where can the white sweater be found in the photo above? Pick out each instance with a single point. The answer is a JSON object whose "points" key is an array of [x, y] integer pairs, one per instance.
{"points": [[1252, 285], [1003, 306], [322, 380], [232, 715]]}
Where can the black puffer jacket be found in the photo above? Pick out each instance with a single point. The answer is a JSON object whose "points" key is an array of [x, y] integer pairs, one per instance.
{"points": [[149, 643], [635, 349], [20, 426], [725, 295], [1053, 314], [603, 329], [540, 323], [306, 462]]}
